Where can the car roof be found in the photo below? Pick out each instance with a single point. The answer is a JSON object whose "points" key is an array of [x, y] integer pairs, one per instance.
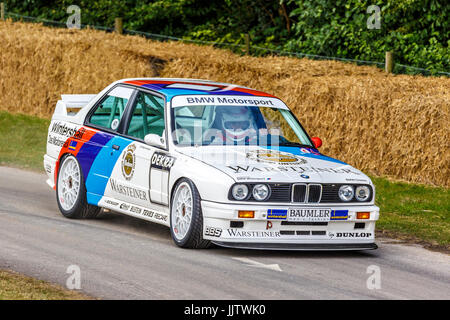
{"points": [[172, 87]]}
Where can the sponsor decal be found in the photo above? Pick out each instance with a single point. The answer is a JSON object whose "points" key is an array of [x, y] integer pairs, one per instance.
{"points": [[124, 206], [136, 210], [162, 161], [79, 134], [235, 233], [213, 232], [339, 215], [128, 162], [128, 191], [273, 156], [48, 168], [55, 141], [73, 145], [155, 215], [309, 214], [277, 214], [299, 169], [112, 203], [63, 129], [230, 100], [269, 225], [350, 235]]}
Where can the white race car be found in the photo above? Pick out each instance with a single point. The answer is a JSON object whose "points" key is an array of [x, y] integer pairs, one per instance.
{"points": [[215, 162]]}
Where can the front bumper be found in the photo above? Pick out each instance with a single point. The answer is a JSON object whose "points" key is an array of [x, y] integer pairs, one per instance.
{"points": [[222, 226]]}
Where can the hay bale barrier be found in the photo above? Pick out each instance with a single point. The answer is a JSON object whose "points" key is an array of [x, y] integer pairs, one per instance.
{"points": [[384, 124]]}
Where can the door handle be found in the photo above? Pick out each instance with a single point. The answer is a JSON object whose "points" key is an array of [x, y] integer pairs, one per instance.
{"points": [[115, 147]]}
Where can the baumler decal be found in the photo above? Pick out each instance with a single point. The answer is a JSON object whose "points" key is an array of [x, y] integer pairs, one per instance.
{"points": [[129, 162], [162, 161], [273, 156]]}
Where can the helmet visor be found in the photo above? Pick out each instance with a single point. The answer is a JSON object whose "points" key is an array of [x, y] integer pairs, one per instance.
{"points": [[236, 125]]}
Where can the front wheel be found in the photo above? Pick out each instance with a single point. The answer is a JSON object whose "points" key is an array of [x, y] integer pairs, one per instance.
{"points": [[71, 191], [186, 219]]}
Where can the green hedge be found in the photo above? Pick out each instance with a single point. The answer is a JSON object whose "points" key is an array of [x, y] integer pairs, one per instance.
{"points": [[416, 30]]}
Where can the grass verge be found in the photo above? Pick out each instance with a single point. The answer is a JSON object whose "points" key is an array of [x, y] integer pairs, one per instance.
{"points": [[14, 286], [418, 213]]}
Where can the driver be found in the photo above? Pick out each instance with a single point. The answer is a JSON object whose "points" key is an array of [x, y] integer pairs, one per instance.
{"points": [[237, 125]]}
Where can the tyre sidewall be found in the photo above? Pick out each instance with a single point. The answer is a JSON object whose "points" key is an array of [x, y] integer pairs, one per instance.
{"points": [[74, 212], [196, 213]]}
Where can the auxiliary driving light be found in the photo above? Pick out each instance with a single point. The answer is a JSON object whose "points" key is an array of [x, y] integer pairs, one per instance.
{"points": [[246, 214]]}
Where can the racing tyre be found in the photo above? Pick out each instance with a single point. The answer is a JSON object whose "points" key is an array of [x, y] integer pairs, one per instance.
{"points": [[186, 218], [71, 191]]}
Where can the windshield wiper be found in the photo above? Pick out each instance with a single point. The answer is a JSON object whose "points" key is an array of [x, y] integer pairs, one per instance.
{"points": [[295, 144]]}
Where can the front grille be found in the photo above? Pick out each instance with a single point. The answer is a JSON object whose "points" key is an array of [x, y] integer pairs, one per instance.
{"points": [[279, 192], [330, 193], [299, 194], [311, 192], [314, 193], [302, 193]]}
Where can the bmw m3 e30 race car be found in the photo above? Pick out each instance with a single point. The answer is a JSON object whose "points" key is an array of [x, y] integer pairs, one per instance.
{"points": [[215, 162]]}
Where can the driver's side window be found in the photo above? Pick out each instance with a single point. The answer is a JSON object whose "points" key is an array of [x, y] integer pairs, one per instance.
{"points": [[109, 111], [148, 116]]}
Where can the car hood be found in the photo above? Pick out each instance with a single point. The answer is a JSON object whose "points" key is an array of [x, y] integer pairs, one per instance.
{"points": [[275, 164]]}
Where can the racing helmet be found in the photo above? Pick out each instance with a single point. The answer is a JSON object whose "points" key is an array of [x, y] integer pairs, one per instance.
{"points": [[237, 122]]}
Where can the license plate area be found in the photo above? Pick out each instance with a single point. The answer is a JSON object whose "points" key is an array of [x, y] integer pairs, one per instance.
{"points": [[309, 214]]}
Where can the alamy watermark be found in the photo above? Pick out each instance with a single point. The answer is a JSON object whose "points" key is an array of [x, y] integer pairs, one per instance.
{"points": [[374, 21], [73, 282], [374, 280], [74, 20]]}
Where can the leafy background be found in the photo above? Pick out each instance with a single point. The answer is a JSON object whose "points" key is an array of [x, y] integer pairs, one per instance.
{"points": [[416, 30]]}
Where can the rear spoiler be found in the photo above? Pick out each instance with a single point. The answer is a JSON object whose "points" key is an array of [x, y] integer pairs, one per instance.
{"points": [[70, 104]]}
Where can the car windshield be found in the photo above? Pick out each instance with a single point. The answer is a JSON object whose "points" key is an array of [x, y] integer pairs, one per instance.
{"points": [[202, 125]]}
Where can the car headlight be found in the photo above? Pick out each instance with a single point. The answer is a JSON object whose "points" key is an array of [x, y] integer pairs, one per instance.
{"points": [[260, 192], [239, 191], [362, 193], [346, 193]]}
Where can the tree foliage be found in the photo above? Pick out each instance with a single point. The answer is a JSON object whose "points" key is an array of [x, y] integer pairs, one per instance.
{"points": [[416, 30]]}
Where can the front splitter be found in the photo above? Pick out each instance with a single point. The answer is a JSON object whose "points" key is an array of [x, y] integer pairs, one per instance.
{"points": [[299, 246]]}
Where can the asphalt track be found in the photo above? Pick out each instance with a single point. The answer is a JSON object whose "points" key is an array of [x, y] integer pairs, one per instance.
{"points": [[126, 258]]}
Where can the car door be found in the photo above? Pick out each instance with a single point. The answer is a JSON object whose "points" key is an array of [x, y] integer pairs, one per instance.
{"points": [[102, 151], [135, 178]]}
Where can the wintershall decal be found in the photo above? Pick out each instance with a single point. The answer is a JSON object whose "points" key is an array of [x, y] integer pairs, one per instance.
{"points": [[277, 214], [162, 161], [339, 215], [63, 129], [128, 191], [55, 141]]}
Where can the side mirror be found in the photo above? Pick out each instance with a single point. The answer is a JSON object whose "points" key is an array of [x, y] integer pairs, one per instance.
{"points": [[317, 142], [154, 140]]}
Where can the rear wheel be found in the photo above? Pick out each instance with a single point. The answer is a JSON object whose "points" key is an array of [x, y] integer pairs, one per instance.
{"points": [[186, 218], [71, 191]]}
